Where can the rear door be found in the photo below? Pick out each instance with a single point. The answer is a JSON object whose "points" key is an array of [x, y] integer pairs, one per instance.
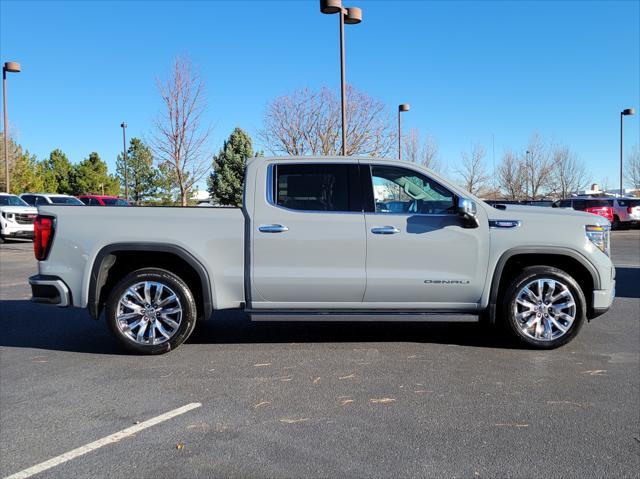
{"points": [[419, 254], [308, 235]]}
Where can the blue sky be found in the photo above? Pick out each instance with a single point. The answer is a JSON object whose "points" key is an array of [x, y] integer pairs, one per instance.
{"points": [[472, 71]]}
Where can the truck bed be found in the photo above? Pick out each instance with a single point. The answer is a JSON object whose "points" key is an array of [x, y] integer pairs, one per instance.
{"points": [[213, 236]]}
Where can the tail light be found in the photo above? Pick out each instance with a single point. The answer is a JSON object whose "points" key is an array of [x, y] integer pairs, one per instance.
{"points": [[43, 229], [604, 211]]}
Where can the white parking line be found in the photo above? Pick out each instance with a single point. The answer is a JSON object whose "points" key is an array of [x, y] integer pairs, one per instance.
{"points": [[92, 446]]}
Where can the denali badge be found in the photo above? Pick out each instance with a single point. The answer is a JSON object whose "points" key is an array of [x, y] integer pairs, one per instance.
{"points": [[446, 281]]}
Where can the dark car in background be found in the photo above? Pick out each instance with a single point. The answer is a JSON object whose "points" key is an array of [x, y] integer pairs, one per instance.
{"points": [[102, 200]]}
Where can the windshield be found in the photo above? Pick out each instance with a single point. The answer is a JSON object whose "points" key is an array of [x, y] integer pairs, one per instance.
{"points": [[65, 200], [12, 200], [115, 202]]}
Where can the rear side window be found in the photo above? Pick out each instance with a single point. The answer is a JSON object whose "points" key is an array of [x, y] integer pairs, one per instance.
{"points": [[623, 203], [599, 203], [29, 199], [565, 204], [579, 205], [317, 187]]}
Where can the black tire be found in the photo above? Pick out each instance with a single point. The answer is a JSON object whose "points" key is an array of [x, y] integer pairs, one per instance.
{"points": [[169, 280], [529, 275], [615, 224]]}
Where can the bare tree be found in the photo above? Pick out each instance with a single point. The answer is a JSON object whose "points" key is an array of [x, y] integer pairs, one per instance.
{"points": [[423, 152], [537, 167], [473, 171], [633, 168], [511, 176], [308, 122], [180, 138], [567, 173]]}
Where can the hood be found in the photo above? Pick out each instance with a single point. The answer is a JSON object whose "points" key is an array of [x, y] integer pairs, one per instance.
{"points": [[22, 210], [517, 212]]}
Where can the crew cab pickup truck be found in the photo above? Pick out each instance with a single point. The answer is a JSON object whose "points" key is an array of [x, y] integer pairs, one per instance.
{"points": [[328, 239]]}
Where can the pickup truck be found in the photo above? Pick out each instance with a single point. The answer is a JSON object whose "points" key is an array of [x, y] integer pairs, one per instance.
{"points": [[328, 239]]}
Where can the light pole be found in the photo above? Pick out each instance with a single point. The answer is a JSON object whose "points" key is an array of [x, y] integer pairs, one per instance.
{"points": [[402, 107], [350, 16], [623, 113], [12, 67], [124, 159]]}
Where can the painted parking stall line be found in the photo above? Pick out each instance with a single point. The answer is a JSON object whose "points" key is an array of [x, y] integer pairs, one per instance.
{"points": [[105, 441]]}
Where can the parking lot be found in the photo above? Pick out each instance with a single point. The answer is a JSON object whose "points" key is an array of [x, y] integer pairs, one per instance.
{"points": [[319, 400]]}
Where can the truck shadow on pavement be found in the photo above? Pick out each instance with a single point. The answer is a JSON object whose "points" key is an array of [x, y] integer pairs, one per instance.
{"points": [[627, 282], [28, 325]]}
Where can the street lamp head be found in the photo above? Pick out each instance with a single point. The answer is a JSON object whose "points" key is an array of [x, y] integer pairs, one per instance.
{"points": [[330, 6], [628, 111], [353, 16], [123, 125], [404, 107], [12, 67]]}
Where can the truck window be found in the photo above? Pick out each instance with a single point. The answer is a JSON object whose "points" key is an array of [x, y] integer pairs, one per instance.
{"points": [[400, 190], [317, 187]]}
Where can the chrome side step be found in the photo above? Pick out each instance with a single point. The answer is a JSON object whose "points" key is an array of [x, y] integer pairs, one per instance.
{"points": [[391, 316]]}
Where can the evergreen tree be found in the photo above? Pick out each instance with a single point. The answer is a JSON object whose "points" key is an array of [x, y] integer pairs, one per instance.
{"points": [[226, 181], [91, 176], [57, 173], [26, 174], [142, 177]]}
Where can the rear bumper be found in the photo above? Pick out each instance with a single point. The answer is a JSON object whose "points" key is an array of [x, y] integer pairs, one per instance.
{"points": [[49, 290]]}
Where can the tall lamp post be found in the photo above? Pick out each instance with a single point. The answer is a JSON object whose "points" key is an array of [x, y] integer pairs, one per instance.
{"points": [[11, 67], [401, 108], [623, 113], [124, 159], [350, 16]]}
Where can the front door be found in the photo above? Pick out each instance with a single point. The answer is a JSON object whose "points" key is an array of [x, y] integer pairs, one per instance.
{"points": [[419, 254], [309, 241]]}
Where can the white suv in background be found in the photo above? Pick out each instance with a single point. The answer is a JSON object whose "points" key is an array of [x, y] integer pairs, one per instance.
{"points": [[16, 217], [39, 199], [626, 211]]}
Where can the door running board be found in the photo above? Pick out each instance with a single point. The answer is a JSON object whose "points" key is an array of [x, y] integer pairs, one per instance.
{"points": [[391, 316]]}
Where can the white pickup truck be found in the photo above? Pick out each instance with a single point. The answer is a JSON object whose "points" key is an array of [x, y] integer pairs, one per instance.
{"points": [[328, 239]]}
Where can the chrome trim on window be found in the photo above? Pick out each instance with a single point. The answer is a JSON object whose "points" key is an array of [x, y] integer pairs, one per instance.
{"points": [[271, 200]]}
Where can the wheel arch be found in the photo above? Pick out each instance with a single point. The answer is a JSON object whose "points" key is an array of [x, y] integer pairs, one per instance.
{"points": [[570, 261], [138, 255]]}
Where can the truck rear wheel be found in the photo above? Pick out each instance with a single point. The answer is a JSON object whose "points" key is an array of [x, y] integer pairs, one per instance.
{"points": [[544, 307], [151, 311]]}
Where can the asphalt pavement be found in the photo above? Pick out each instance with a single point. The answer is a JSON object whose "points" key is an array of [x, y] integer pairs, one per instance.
{"points": [[318, 400]]}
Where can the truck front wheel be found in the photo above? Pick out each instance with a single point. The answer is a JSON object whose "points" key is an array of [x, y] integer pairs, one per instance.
{"points": [[151, 311], [544, 307]]}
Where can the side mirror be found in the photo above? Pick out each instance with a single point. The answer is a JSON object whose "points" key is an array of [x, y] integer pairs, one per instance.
{"points": [[468, 210]]}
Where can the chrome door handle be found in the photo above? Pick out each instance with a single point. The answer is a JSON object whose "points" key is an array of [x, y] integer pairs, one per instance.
{"points": [[385, 230], [273, 229]]}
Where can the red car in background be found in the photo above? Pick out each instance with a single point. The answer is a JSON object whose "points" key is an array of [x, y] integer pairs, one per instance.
{"points": [[102, 200], [597, 206]]}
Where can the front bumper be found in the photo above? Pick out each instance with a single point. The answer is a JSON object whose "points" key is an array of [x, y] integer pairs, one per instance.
{"points": [[11, 231], [602, 300], [49, 290]]}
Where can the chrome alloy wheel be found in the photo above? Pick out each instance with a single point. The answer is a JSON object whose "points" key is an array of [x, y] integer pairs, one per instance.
{"points": [[544, 309], [149, 313]]}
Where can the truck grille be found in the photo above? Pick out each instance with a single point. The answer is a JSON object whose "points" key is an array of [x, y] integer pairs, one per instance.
{"points": [[24, 219]]}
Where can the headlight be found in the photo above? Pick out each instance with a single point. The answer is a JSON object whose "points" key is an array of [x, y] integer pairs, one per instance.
{"points": [[8, 216], [600, 236]]}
